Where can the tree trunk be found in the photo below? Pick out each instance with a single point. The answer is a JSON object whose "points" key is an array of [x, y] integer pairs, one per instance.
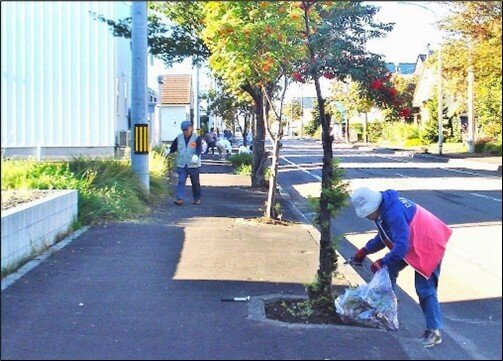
{"points": [[245, 131], [259, 154], [271, 196], [327, 253], [366, 129], [346, 135]]}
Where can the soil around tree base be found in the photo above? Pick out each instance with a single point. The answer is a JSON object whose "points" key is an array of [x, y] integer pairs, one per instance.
{"points": [[290, 311]]}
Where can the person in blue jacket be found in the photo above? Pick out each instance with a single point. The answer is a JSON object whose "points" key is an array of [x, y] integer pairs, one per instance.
{"points": [[188, 162], [414, 237]]}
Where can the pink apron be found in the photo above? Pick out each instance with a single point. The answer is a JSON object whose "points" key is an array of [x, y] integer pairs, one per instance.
{"points": [[428, 239]]}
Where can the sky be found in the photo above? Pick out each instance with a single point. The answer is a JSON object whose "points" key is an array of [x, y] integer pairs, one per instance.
{"points": [[414, 29]]}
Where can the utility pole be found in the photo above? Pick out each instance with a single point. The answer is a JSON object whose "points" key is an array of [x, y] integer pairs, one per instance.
{"points": [[440, 103], [302, 111], [140, 139], [471, 121], [197, 122]]}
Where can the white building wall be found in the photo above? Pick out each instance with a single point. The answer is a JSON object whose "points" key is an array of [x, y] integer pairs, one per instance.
{"points": [[156, 67], [171, 118], [59, 70]]}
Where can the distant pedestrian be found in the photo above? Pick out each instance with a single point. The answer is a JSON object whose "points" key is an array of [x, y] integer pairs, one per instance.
{"points": [[415, 237], [210, 141], [228, 135], [213, 134], [249, 139], [188, 162], [223, 146], [244, 150]]}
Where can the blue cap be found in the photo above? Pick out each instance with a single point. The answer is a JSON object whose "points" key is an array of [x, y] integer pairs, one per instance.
{"points": [[185, 125]]}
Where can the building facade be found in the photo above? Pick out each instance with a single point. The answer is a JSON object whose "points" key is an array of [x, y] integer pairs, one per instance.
{"points": [[66, 80]]}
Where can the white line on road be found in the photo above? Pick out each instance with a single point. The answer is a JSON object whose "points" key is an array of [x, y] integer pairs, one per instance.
{"points": [[439, 167], [317, 177], [486, 197]]}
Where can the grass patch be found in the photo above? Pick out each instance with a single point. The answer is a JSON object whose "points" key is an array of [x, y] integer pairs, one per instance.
{"points": [[108, 188], [242, 163]]}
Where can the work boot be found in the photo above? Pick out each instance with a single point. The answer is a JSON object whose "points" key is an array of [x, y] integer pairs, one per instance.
{"points": [[431, 338]]}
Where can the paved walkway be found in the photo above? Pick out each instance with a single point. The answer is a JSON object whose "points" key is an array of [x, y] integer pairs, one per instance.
{"points": [[152, 289]]}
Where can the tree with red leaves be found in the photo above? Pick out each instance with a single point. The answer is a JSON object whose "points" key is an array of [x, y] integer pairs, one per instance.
{"points": [[330, 51]]}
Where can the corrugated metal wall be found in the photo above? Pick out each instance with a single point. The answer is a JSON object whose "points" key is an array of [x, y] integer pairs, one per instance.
{"points": [[59, 71]]}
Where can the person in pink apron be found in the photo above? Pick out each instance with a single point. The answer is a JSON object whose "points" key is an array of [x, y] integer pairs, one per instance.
{"points": [[415, 237]]}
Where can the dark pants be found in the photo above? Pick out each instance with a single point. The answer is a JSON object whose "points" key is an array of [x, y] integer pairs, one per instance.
{"points": [[193, 173], [212, 146]]}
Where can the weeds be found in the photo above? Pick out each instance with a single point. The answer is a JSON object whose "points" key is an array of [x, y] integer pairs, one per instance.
{"points": [[108, 188]]}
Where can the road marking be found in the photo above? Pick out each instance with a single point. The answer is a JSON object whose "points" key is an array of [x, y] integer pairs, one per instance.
{"points": [[317, 177], [438, 167], [474, 322], [467, 172], [486, 197]]}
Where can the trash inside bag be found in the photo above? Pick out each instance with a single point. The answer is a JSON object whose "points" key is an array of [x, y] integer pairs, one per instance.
{"points": [[370, 305]]}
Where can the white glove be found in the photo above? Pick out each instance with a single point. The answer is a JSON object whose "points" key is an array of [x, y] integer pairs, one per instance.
{"points": [[195, 158]]}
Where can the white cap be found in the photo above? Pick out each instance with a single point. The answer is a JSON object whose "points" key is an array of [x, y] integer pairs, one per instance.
{"points": [[366, 201]]}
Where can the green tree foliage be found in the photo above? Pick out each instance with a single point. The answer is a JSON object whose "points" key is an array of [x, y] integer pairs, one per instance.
{"points": [[451, 125], [252, 45], [405, 86], [375, 131], [334, 34], [351, 95], [474, 29], [292, 110], [173, 30], [228, 105], [314, 124]]}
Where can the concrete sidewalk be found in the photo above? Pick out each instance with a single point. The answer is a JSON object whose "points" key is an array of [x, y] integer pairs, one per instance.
{"points": [[152, 288]]}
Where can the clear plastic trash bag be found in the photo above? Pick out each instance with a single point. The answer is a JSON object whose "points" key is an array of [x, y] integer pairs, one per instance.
{"points": [[370, 305]]}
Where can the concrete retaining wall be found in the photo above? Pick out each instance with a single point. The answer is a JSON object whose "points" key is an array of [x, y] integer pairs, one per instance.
{"points": [[34, 226]]}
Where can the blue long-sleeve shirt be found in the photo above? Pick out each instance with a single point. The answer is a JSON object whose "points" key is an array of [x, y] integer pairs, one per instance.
{"points": [[393, 224]]}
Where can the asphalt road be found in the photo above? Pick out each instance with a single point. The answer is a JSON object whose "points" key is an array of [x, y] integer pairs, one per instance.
{"points": [[467, 200]]}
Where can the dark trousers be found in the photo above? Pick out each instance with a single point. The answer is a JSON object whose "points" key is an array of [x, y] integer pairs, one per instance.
{"points": [[193, 173], [212, 146]]}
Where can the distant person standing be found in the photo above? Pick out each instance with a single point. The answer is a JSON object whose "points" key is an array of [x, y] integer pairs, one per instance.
{"points": [[188, 162], [229, 136]]}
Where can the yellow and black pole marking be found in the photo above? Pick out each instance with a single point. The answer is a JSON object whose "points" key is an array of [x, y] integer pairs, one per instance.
{"points": [[141, 138]]}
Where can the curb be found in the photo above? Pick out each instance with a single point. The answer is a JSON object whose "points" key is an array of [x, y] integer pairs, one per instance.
{"points": [[27, 267], [464, 163], [256, 308], [256, 312], [350, 274]]}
